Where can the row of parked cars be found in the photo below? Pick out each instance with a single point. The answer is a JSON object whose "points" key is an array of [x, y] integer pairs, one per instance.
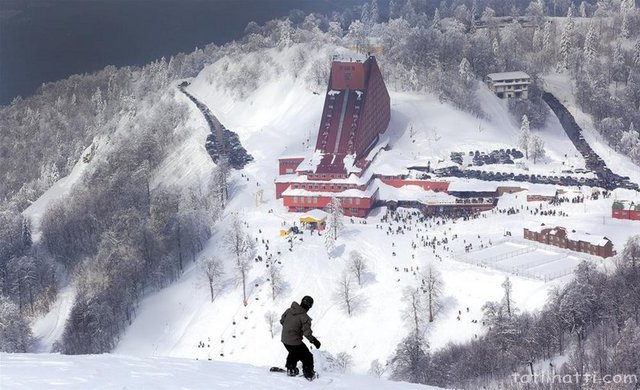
{"points": [[606, 178], [499, 156]]}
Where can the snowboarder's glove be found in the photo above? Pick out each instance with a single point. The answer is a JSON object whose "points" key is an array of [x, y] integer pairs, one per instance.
{"points": [[315, 342]]}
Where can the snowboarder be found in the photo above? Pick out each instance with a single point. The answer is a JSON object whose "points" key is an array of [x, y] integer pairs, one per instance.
{"points": [[296, 323]]}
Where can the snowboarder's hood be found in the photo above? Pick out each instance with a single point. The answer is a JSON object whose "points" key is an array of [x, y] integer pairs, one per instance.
{"points": [[297, 309]]}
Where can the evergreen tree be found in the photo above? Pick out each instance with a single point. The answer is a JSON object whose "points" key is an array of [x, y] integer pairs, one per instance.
{"points": [[625, 28], [590, 44], [435, 24], [583, 9], [547, 34], [566, 41], [464, 70], [636, 54]]}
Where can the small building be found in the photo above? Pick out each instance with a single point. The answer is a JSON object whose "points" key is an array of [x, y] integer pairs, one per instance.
{"points": [[315, 219], [572, 240], [509, 84], [622, 209]]}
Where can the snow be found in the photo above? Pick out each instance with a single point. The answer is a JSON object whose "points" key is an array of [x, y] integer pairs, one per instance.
{"points": [[58, 191], [48, 329], [507, 76], [126, 372], [281, 117]]}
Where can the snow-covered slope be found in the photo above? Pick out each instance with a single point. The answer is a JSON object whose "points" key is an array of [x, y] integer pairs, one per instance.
{"points": [[81, 372], [281, 117]]}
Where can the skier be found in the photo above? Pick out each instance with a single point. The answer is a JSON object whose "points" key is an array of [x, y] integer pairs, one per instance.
{"points": [[296, 323]]}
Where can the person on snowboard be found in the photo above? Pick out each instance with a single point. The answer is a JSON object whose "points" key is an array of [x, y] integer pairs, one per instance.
{"points": [[296, 323]]}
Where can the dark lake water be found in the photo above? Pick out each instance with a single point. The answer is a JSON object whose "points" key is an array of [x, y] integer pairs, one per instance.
{"points": [[48, 40]]}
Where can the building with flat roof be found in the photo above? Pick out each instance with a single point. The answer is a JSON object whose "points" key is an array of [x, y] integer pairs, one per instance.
{"points": [[509, 84], [570, 239]]}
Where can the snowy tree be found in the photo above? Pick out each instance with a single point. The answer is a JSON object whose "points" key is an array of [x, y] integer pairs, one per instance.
{"points": [[374, 12], [345, 295], [626, 353], [436, 23], [240, 244], [286, 31], [344, 362], [583, 9], [271, 318], [213, 271], [507, 299], [414, 311], [219, 184], [590, 44], [376, 369], [357, 36], [547, 35], [536, 148], [525, 136], [618, 68], [276, 281], [464, 70], [334, 221], [329, 243], [237, 240], [395, 8], [625, 28], [243, 269], [636, 54], [432, 286], [15, 332], [411, 359], [566, 41], [357, 266]]}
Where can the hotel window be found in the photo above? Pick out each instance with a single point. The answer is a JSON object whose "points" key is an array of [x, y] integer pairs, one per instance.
{"points": [[295, 199], [358, 201]]}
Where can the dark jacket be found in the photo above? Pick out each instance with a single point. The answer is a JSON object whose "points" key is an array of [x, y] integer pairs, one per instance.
{"points": [[295, 323]]}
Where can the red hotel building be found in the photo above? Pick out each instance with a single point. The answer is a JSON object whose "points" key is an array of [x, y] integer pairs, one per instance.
{"points": [[356, 111]]}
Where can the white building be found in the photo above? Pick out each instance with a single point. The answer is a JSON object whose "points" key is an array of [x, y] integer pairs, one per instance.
{"points": [[509, 84]]}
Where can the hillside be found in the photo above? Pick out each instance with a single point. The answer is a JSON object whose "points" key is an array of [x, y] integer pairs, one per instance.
{"points": [[176, 320]]}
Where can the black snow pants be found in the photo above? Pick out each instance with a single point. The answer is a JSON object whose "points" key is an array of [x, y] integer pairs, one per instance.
{"points": [[300, 353]]}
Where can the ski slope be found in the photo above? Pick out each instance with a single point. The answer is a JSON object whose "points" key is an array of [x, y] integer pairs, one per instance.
{"points": [[82, 372]]}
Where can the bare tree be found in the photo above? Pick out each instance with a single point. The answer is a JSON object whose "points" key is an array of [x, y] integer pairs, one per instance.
{"points": [[241, 245], [274, 276], [432, 286], [413, 313], [243, 269], [334, 221], [357, 265], [219, 185], [376, 369], [507, 300], [344, 294], [344, 361], [213, 270], [237, 240], [272, 320]]}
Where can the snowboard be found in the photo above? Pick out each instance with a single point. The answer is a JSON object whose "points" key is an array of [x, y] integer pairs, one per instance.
{"points": [[300, 375]]}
